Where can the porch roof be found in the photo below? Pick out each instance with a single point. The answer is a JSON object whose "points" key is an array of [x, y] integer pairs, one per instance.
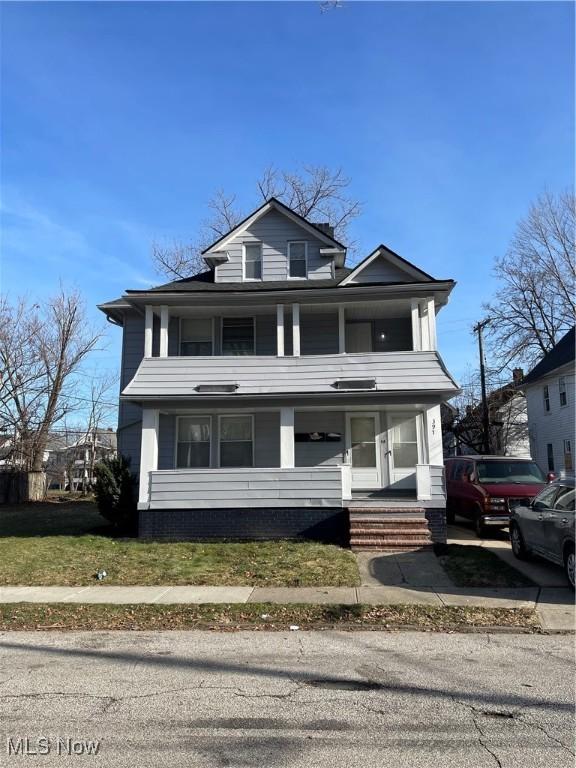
{"points": [[195, 378]]}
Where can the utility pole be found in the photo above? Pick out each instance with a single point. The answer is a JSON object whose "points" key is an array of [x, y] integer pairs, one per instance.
{"points": [[478, 328]]}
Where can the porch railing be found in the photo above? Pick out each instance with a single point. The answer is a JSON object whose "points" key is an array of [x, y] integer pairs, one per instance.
{"points": [[430, 483], [323, 486]]}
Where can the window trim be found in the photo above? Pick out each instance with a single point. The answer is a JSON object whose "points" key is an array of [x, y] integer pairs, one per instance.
{"points": [[562, 391], [212, 340], [546, 398], [236, 317], [177, 432], [288, 247], [252, 279], [219, 440]]}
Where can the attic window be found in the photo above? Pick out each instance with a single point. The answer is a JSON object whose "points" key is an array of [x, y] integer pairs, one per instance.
{"points": [[253, 261], [355, 384], [215, 389], [297, 259]]}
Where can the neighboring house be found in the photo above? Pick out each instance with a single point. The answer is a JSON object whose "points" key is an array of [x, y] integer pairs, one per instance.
{"points": [[279, 391], [549, 389], [71, 459], [508, 419]]}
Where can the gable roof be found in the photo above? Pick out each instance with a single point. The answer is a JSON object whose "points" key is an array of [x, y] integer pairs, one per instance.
{"points": [[558, 356], [382, 251], [273, 204]]}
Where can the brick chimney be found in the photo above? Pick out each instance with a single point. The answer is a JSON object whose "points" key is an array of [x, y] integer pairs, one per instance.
{"points": [[325, 227], [518, 376]]}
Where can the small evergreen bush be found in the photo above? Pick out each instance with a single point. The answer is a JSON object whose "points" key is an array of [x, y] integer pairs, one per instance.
{"points": [[114, 491]]}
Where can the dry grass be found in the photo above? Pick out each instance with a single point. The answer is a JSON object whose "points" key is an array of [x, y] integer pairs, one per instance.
{"points": [[234, 617]]}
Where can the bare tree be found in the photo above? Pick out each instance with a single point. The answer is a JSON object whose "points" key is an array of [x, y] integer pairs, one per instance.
{"points": [[42, 347], [315, 192], [534, 306]]}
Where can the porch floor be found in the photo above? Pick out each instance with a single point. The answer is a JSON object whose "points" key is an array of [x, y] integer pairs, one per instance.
{"points": [[385, 494]]}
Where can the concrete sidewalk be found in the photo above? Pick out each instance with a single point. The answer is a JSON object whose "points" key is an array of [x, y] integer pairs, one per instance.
{"points": [[554, 606]]}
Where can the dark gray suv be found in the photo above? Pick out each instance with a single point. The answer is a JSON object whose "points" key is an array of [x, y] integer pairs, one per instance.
{"points": [[545, 526]]}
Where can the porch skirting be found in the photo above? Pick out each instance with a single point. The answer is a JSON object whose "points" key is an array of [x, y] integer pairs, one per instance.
{"points": [[327, 524]]}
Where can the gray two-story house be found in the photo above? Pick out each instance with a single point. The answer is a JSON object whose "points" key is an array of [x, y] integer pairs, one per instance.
{"points": [[279, 393]]}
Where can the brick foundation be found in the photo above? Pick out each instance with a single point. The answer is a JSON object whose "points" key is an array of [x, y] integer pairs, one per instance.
{"points": [[437, 525], [319, 524]]}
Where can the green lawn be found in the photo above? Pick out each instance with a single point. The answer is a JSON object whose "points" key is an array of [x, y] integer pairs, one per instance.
{"points": [[51, 544], [470, 566]]}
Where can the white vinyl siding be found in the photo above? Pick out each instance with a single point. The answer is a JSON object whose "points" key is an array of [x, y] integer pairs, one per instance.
{"points": [[554, 426]]}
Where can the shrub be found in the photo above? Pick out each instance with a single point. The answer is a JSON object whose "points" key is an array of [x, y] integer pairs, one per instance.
{"points": [[114, 491]]}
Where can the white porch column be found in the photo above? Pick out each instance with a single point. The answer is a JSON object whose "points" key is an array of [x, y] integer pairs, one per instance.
{"points": [[415, 315], [148, 451], [296, 330], [424, 326], [164, 320], [431, 313], [280, 329], [287, 437], [148, 328], [341, 329], [434, 435]]}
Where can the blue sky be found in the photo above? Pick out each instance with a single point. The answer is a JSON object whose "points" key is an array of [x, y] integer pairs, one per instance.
{"points": [[119, 120]]}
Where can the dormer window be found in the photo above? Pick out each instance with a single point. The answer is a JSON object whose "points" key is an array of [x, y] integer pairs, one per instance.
{"points": [[253, 261], [297, 259]]}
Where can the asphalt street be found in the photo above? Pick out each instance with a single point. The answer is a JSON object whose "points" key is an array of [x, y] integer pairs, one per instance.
{"points": [[286, 699]]}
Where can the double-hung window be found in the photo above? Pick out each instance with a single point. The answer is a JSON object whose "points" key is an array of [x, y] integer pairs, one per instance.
{"points": [[238, 336], [196, 336], [297, 259], [193, 442], [562, 390], [252, 261], [546, 396], [236, 441]]}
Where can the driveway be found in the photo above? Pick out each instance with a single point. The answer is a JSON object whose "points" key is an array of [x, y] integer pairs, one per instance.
{"points": [[294, 700], [541, 572]]}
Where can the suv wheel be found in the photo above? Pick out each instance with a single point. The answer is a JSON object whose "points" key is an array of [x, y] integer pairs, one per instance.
{"points": [[479, 527], [517, 541], [570, 565]]}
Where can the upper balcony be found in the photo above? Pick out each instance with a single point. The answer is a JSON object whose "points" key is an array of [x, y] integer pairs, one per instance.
{"points": [[376, 347], [291, 329]]}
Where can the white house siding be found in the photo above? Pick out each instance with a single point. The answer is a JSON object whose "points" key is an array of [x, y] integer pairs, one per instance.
{"points": [[274, 231], [552, 426], [313, 454]]}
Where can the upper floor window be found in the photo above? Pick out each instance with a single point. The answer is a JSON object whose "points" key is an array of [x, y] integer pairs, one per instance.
{"points": [[297, 259], [236, 441], [238, 336], [252, 261], [196, 336], [562, 390], [546, 395]]}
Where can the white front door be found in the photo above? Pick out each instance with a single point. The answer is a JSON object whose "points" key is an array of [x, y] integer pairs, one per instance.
{"points": [[362, 442], [403, 441]]}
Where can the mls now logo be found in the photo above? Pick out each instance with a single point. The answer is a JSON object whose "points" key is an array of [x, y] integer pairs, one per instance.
{"points": [[44, 746]]}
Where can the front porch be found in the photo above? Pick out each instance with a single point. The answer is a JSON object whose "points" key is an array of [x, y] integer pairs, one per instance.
{"points": [[285, 472]]}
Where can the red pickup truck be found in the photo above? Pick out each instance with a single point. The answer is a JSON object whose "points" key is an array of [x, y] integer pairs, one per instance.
{"points": [[485, 489]]}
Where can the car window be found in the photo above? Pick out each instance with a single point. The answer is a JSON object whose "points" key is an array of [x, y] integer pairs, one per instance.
{"points": [[521, 472], [546, 497], [565, 499]]}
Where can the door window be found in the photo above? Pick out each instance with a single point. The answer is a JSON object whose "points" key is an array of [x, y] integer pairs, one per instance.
{"points": [[405, 444], [193, 448], [363, 439]]}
